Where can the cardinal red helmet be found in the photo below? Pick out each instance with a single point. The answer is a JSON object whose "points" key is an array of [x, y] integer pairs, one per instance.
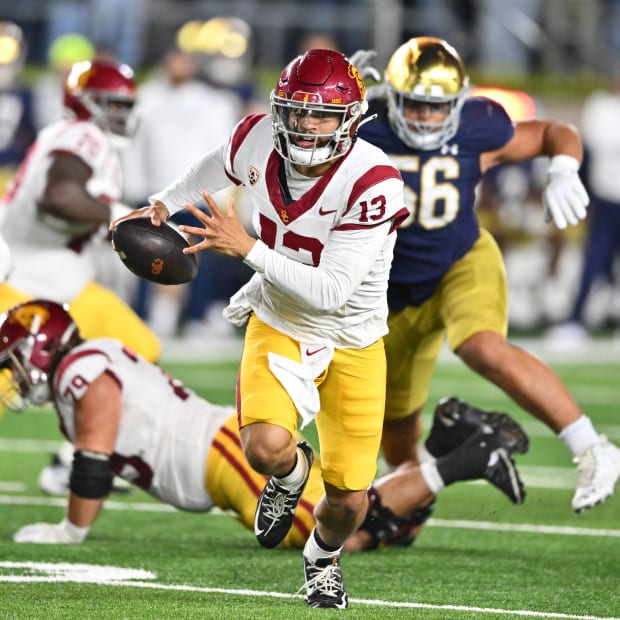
{"points": [[104, 92], [321, 83], [33, 337]]}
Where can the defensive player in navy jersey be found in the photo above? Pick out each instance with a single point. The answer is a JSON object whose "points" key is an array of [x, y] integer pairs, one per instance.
{"points": [[448, 277]]}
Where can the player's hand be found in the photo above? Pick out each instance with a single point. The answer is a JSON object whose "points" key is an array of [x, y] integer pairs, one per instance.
{"points": [[222, 232], [362, 59], [51, 533], [157, 212], [565, 198]]}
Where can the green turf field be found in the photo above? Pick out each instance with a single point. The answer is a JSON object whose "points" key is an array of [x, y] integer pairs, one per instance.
{"points": [[480, 557]]}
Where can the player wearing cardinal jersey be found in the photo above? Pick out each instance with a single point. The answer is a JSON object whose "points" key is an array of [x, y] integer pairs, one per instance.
{"points": [[326, 207], [125, 416], [62, 198], [448, 276]]}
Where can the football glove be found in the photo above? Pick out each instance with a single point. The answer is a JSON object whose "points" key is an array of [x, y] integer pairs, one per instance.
{"points": [[51, 533], [362, 59], [565, 198]]}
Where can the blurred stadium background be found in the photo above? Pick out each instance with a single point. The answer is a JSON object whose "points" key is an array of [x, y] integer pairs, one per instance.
{"points": [[541, 57]]}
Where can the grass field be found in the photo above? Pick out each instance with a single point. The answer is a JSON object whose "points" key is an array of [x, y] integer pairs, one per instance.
{"points": [[479, 558]]}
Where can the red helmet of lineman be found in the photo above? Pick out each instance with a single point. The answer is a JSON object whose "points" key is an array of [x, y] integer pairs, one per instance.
{"points": [[104, 92]]}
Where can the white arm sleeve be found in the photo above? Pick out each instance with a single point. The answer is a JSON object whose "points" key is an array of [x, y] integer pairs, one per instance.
{"points": [[345, 262], [207, 174]]}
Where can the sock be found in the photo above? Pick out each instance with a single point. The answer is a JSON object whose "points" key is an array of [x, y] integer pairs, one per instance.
{"points": [[579, 435], [296, 477], [315, 549], [423, 454], [432, 477]]}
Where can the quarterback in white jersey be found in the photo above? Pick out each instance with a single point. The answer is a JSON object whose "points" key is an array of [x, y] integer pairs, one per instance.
{"points": [[61, 201], [326, 206]]}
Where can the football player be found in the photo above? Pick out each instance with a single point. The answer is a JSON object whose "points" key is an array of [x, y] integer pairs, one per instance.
{"points": [[325, 209], [125, 416], [447, 277], [62, 198]]}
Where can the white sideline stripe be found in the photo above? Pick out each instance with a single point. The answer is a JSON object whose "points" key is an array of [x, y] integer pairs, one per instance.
{"points": [[61, 502], [29, 445], [446, 523], [12, 487], [285, 595], [523, 527]]}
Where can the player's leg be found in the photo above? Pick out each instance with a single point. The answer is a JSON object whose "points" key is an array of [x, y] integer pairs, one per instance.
{"points": [[234, 485], [349, 428], [268, 421], [412, 346], [475, 314]]}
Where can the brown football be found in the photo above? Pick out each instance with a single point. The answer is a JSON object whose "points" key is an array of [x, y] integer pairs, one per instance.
{"points": [[154, 253]]}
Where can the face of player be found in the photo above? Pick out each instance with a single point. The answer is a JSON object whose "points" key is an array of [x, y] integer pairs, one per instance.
{"points": [[311, 123], [425, 112]]}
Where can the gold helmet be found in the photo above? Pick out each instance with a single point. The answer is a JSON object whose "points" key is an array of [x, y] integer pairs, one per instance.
{"points": [[425, 70]]}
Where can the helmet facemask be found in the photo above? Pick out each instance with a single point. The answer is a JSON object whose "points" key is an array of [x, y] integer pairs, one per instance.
{"points": [[325, 147], [34, 337], [418, 134], [21, 383]]}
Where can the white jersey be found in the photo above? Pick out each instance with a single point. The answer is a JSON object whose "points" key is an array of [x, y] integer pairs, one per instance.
{"points": [[323, 257], [165, 430], [52, 256]]}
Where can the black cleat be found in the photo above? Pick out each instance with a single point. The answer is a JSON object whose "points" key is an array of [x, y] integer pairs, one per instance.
{"points": [[324, 585], [276, 507], [484, 456], [454, 421]]}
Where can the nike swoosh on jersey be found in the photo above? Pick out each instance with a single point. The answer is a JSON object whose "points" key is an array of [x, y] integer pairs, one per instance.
{"points": [[322, 212]]}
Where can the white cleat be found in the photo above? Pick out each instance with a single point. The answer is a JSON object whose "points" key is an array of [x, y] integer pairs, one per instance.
{"points": [[598, 470], [54, 478]]}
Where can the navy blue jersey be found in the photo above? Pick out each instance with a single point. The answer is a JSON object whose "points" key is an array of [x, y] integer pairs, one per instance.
{"points": [[440, 190]]}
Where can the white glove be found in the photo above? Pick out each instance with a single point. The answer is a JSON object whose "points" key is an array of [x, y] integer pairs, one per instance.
{"points": [[51, 533], [565, 198], [362, 60]]}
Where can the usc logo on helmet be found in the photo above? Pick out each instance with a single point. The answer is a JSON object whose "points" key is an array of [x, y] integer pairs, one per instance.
{"points": [[25, 316], [157, 266], [357, 76]]}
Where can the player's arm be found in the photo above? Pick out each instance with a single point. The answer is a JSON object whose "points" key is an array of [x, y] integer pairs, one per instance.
{"points": [[565, 198], [66, 195], [344, 263], [97, 419], [533, 138], [207, 173]]}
